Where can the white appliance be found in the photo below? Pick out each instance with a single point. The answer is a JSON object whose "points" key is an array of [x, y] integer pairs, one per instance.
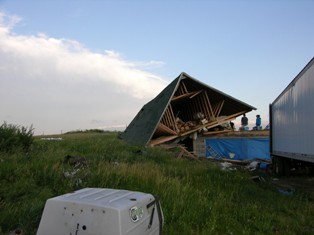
{"points": [[102, 211]]}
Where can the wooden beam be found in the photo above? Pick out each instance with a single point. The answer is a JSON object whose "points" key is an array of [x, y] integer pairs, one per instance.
{"points": [[209, 104], [212, 123], [215, 108], [219, 110], [186, 95], [184, 87], [237, 114], [216, 132], [167, 117], [173, 119], [162, 140], [187, 153], [192, 96], [223, 120], [163, 128], [207, 111], [180, 153]]}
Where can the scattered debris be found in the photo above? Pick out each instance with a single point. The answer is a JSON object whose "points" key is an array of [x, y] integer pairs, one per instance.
{"points": [[253, 166], [290, 185], [51, 138], [258, 179], [185, 153], [75, 161], [227, 166], [286, 192], [234, 165], [16, 231], [182, 151], [71, 174], [76, 169]]}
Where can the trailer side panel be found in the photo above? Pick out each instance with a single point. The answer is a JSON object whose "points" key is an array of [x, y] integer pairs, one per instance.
{"points": [[292, 114]]}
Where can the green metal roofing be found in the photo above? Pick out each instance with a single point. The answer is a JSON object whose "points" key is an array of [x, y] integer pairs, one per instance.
{"points": [[144, 124]]}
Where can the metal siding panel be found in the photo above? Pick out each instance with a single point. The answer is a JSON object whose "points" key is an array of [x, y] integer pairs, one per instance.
{"points": [[293, 113]]}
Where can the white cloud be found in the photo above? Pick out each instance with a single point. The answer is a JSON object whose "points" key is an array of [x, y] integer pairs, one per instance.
{"points": [[58, 84], [8, 21]]}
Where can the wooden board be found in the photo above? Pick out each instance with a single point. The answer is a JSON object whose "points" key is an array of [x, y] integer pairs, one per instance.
{"points": [[162, 140]]}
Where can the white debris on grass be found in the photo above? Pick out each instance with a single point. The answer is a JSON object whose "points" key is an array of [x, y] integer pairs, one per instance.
{"points": [[252, 166], [51, 138], [227, 166]]}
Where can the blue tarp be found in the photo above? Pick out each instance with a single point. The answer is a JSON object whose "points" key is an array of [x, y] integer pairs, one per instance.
{"points": [[238, 148]]}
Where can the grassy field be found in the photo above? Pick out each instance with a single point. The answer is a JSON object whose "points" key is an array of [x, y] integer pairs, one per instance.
{"points": [[196, 197]]}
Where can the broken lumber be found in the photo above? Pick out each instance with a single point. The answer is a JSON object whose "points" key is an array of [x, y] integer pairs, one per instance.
{"points": [[162, 140]]}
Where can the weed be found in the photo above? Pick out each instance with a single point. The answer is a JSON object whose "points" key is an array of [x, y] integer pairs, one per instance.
{"points": [[14, 137]]}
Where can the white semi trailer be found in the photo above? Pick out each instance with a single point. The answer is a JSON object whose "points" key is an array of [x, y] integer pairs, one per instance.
{"points": [[291, 124]]}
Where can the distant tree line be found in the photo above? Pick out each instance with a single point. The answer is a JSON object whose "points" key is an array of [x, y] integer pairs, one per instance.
{"points": [[87, 131]]}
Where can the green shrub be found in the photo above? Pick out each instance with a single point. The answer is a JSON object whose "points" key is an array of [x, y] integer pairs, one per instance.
{"points": [[14, 137]]}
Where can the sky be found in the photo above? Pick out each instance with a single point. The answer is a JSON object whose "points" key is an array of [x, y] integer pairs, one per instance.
{"points": [[92, 64]]}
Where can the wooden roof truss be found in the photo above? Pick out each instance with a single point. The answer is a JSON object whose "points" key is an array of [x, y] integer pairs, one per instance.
{"points": [[179, 118]]}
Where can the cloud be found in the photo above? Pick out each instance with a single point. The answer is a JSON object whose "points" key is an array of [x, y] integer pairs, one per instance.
{"points": [[58, 84], [8, 21]]}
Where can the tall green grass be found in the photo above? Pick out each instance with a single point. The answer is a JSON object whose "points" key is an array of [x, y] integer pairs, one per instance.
{"points": [[196, 197]]}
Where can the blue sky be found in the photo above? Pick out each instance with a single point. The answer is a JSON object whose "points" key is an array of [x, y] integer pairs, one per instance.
{"points": [[68, 65]]}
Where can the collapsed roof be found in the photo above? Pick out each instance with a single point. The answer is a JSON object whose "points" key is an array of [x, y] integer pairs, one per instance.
{"points": [[185, 106]]}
